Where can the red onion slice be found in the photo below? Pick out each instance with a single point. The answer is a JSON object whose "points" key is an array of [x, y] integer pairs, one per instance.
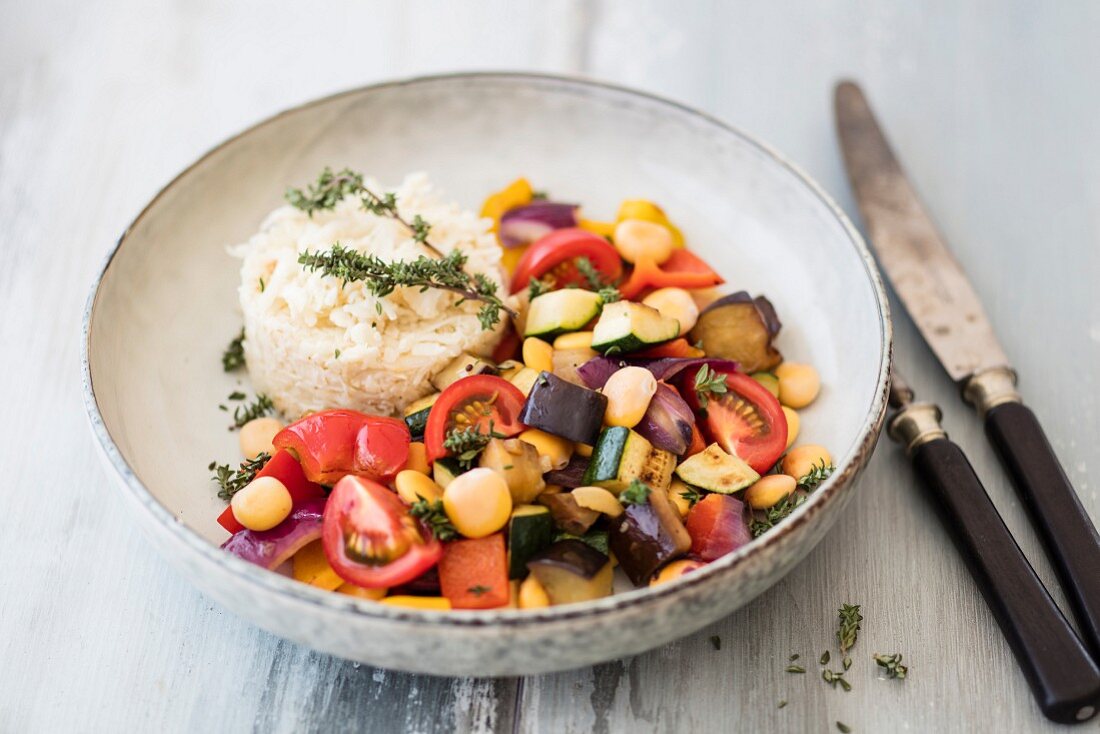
{"points": [[271, 548], [525, 224]]}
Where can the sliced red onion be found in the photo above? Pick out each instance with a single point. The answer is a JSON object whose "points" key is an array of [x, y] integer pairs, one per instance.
{"points": [[271, 548], [667, 421], [525, 224], [597, 370], [572, 476]]}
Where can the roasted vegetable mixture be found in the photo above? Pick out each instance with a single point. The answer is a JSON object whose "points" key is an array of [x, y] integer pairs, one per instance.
{"points": [[630, 417]]}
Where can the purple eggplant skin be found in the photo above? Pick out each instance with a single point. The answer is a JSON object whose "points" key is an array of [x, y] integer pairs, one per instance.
{"points": [[763, 306], [667, 421], [741, 328], [564, 409], [647, 536], [572, 476]]}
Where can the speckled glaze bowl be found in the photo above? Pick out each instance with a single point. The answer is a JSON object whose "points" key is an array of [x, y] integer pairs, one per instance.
{"points": [[165, 306]]}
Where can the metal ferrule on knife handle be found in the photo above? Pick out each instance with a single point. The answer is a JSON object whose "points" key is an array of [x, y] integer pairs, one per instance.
{"points": [[915, 425], [991, 387]]}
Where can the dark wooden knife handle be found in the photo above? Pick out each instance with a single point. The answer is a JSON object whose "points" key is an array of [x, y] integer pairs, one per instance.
{"points": [[1062, 675], [1070, 536]]}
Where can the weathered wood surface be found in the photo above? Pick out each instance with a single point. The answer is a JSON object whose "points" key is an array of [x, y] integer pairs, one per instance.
{"points": [[993, 107]]}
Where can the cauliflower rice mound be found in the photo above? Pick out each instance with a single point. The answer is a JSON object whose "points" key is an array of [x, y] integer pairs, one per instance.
{"points": [[313, 342]]}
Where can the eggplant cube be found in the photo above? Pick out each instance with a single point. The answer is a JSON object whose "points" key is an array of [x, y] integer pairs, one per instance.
{"points": [[564, 409], [572, 571], [647, 536]]}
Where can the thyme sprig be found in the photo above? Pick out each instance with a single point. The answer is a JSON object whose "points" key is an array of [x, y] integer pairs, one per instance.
{"points": [[233, 356], [382, 278], [692, 495], [774, 514], [232, 481], [636, 494], [465, 444], [817, 474], [536, 288], [258, 408], [848, 630], [709, 382], [589, 273], [892, 664], [434, 517]]}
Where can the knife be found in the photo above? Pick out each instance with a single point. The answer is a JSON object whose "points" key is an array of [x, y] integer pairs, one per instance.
{"points": [[946, 310], [1057, 666]]}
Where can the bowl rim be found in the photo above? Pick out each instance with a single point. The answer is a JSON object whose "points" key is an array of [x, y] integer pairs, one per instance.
{"points": [[294, 591]]}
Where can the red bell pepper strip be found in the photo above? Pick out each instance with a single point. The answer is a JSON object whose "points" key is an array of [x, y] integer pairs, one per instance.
{"points": [[681, 270], [473, 574], [284, 467], [332, 444]]}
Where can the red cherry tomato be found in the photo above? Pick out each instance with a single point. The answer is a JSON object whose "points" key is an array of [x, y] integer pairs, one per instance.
{"points": [[331, 444], [482, 400], [747, 420], [717, 525], [553, 257], [682, 270], [371, 540]]}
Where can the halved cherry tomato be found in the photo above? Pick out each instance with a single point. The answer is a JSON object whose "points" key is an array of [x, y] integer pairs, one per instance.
{"points": [[284, 467], [477, 400], [717, 526], [331, 444], [371, 540], [682, 270], [746, 420], [554, 255], [675, 348]]}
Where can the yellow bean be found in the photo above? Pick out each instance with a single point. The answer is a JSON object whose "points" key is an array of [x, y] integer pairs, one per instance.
{"points": [[801, 461], [556, 448], [637, 238], [650, 212], [598, 499], [256, 436], [769, 490], [263, 504], [537, 354], [532, 595], [675, 570], [574, 340], [793, 424], [674, 303], [628, 393], [799, 384], [478, 502], [413, 486]]}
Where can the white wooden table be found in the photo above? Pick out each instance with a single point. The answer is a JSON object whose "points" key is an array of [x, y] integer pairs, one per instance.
{"points": [[994, 107]]}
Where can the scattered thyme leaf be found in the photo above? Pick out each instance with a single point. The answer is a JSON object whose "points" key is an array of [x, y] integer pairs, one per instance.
{"points": [[709, 382], [848, 631], [258, 408], [847, 662], [818, 474], [843, 728], [233, 356], [892, 665], [716, 641], [835, 679], [794, 656], [781, 704], [336, 354], [824, 658], [232, 481], [636, 494], [434, 517], [263, 286], [795, 669], [237, 395], [692, 495]]}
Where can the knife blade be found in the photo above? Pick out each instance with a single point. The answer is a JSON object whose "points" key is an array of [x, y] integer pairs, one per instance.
{"points": [[946, 310], [1063, 677]]}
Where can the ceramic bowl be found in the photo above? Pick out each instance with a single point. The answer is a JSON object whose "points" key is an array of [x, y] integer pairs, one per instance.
{"points": [[165, 306]]}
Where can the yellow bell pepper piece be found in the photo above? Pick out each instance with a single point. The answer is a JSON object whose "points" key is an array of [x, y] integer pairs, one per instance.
{"points": [[311, 567], [649, 212], [603, 229], [517, 193], [439, 603]]}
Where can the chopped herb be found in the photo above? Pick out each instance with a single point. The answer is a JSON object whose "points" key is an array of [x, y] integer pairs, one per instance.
{"points": [[539, 195], [835, 679], [262, 285], [222, 407], [536, 288], [433, 515], [794, 656], [232, 481], [509, 467], [636, 494], [610, 294], [596, 539], [590, 274], [465, 444], [479, 590], [824, 658], [716, 641], [233, 357], [795, 669], [336, 354], [849, 627], [892, 664], [818, 474], [382, 278], [260, 407], [771, 516], [843, 728], [237, 395], [709, 382], [847, 662], [692, 495], [781, 704]]}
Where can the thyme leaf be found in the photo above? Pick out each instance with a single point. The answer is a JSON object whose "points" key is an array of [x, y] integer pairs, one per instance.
{"points": [[818, 474], [636, 494], [692, 495], [434, 517], [465, 444], [536, 288], [892, 664], [232, 481], [258, 408], [478, 590], [233, 356], [795, 669], [716, 641], [709, 382], [780, 511], [848, 631], [589, 273]]}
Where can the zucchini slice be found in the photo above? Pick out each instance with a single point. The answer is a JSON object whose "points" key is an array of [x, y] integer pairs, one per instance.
{"points": [[461, 366], [445, 470], [416, 415], [530, 531], [626, 327], [558, 312], [716, 471], [619, 457]]}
